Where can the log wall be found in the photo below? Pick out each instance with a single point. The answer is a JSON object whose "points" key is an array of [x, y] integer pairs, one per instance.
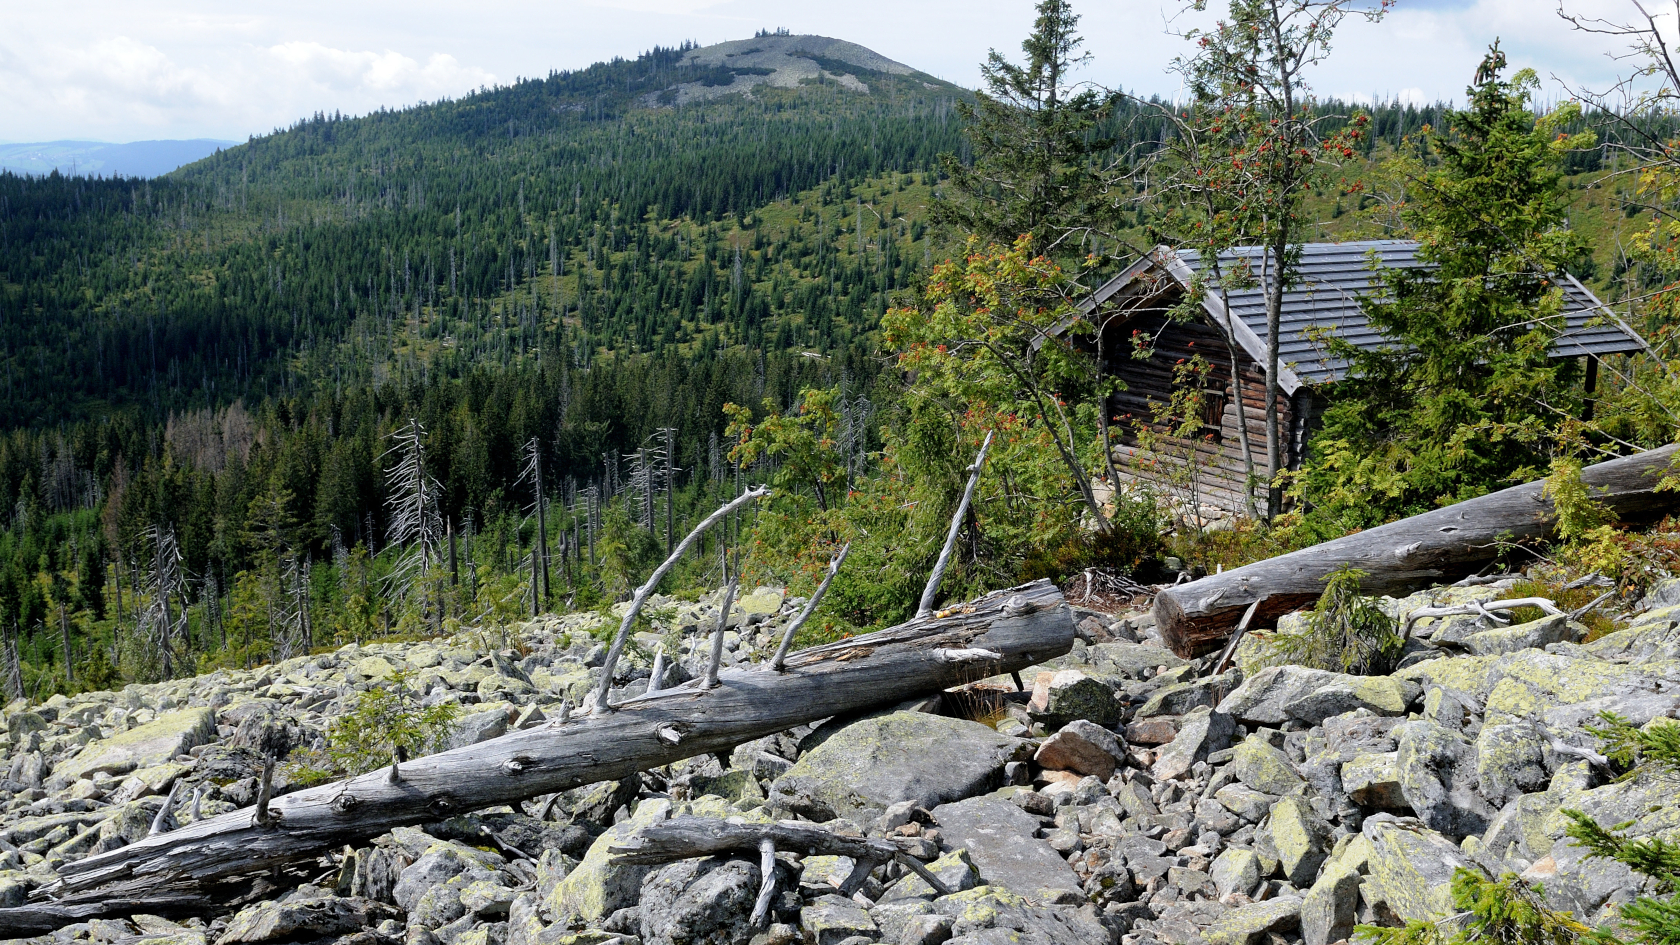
{"points": [[1219, 474]]}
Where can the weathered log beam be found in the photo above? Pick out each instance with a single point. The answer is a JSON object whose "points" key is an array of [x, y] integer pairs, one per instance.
{"points": [[1402, 556], [682, 838], [1000, 633]]}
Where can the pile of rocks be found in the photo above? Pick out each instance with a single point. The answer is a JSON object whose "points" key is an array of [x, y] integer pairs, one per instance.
{"points": [[1125, 796]]}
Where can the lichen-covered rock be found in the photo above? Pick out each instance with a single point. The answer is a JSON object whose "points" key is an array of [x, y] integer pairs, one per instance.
{"points": [[441, 862], [1264, 768], [601, 885], [762, 602], [991, 914], [1437, 771], [1179, 698], [1248, 924], [155, 742], [1245, 802], [1535, 634], [1236, 870], [1589, 886], [1532, 682], [1330, 908], [1510, 760], [1201, 733], [1262, 698], [1412, 867], [955, 870], [701, 901], [870, 765], [1381, 695], [310, 917], [1002, 844], [1372, 780], [830, 920], [1475, 675], [1299, 835], [1071, 694]]}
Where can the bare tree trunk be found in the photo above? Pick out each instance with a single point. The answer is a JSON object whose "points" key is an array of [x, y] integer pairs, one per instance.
{"points": [[64, 629]]}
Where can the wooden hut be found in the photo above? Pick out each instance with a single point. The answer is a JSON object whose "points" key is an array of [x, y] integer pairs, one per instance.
{"points": [[1139, 304]]}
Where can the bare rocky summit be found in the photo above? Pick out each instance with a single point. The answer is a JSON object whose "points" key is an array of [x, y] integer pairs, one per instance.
{"points": [[1124, 796], [778, 61]]}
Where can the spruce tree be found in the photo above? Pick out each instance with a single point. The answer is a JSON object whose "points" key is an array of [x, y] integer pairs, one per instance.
{"points": [[1033, 137], [1465, 397]]}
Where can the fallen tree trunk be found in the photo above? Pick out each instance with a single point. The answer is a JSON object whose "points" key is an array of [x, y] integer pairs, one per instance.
{"points": [[683, 838], [1000, 633], [1399, 557]]}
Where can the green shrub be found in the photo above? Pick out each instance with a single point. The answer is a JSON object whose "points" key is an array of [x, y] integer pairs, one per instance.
{"points": [[386, 716]]}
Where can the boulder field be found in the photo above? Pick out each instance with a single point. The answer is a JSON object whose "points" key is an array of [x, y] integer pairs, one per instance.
{"points": [[1122, 795]]}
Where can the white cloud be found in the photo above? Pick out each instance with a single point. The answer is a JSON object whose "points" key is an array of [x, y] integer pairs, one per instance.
{"points": [[188, 68]]}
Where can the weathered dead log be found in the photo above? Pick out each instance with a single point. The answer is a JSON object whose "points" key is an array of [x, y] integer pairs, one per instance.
{"points": [[999, 633], [684, 837], [1400, 557]]}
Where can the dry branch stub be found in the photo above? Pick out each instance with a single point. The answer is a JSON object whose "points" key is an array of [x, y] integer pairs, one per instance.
{"points": [[1402, 556], [1000, 633]]}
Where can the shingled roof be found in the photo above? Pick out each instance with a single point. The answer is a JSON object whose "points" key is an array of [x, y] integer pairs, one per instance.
{"points": [[1333, 279]]}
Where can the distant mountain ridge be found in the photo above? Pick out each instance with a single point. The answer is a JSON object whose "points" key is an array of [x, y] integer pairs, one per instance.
{"points": [[99, 158]]}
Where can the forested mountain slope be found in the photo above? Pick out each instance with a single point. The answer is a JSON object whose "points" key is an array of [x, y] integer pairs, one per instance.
{"points": [[573, 213]]}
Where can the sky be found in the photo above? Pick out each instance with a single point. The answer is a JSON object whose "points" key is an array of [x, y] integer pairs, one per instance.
{"points": [[118, 70]]}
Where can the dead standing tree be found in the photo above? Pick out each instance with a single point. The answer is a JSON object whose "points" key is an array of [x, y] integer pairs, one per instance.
{"points": [[416, 527], [161, 623]]}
